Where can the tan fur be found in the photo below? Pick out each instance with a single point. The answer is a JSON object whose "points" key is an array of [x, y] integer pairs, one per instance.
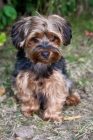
{"points": [[54, 88], [73, 99], [38, 35], [43, 36], [46, 26]]}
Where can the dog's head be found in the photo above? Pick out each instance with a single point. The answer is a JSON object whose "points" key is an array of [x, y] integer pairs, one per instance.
{"points": [[41, 38]]}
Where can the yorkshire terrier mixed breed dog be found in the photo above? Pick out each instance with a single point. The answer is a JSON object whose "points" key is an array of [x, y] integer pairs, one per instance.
{"points": [[40, 79]]}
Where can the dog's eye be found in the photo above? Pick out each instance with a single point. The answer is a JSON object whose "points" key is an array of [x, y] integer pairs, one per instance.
{"points": [[35, 39], [53, 38]]}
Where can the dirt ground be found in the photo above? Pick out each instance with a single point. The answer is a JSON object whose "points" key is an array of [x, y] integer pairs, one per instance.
{"points": [[79, 58]]}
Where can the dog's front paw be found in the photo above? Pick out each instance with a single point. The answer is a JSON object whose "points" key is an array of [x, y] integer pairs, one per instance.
{"points": [[28, 109], [53, 117]]}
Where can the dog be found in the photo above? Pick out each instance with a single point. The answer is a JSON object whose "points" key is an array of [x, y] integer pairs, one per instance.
{"points": [[40, 80]]}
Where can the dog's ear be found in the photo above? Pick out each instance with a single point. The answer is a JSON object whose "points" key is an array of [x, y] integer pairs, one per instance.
{"points": [[64, 27], [19, 32]]}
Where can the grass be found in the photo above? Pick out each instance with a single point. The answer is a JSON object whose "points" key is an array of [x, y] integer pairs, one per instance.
{"points": [[79, 56]]}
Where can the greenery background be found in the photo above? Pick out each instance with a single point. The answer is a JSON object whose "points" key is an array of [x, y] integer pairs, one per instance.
{"points": [[10, 10], [79, 58]]}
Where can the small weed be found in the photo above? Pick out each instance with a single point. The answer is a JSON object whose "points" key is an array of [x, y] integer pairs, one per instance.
{"points": [[40, 124], [17, 114], [8, 131], [7, 69], [72, 58], [73, 138], [69, 73], [10, 103]]}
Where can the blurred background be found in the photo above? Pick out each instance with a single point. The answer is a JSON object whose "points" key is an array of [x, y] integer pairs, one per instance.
{"points": [[10, 10], [79, 59]]}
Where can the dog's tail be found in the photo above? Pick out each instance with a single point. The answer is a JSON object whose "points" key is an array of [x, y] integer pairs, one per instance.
{"points": [[73, 99]]}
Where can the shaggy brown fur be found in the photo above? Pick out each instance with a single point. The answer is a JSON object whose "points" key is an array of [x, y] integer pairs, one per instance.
{"points": [[39, 79]]}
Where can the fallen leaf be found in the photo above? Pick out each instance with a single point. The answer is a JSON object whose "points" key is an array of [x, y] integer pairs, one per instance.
{"points": [[72, 118], [2, 91], [18, 138]]}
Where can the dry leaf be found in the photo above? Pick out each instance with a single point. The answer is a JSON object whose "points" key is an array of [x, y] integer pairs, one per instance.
{"points": [[2, 91], [72, 118], [18, 138]]}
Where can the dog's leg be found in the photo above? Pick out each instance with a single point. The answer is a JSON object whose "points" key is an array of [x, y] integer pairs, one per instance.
{"points": [[24, 89], [27, 108], [56, 93], [73, 99]]}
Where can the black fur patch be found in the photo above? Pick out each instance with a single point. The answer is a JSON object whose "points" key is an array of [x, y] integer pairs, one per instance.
{"points": [[42, 99], [24, 64]]}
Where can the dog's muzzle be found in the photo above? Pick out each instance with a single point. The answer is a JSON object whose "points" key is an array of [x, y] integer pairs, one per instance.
{"points": [[45, 54]]}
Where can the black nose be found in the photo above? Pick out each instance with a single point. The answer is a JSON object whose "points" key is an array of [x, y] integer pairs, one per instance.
{"points": [[45, 54]]}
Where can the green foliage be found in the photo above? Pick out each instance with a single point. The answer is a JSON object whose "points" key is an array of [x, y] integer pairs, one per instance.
{"points": [[91, 3], [63, 7], [2, 38], [7, 15], [10, 12], [14, 8], [68, 6]]}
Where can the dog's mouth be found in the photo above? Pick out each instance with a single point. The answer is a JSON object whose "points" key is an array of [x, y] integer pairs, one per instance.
{"points": [[46, 55], [45, 61], [52, 58]]}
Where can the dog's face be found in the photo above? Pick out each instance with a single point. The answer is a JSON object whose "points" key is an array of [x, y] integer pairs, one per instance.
{"points": [[41, 38]]}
